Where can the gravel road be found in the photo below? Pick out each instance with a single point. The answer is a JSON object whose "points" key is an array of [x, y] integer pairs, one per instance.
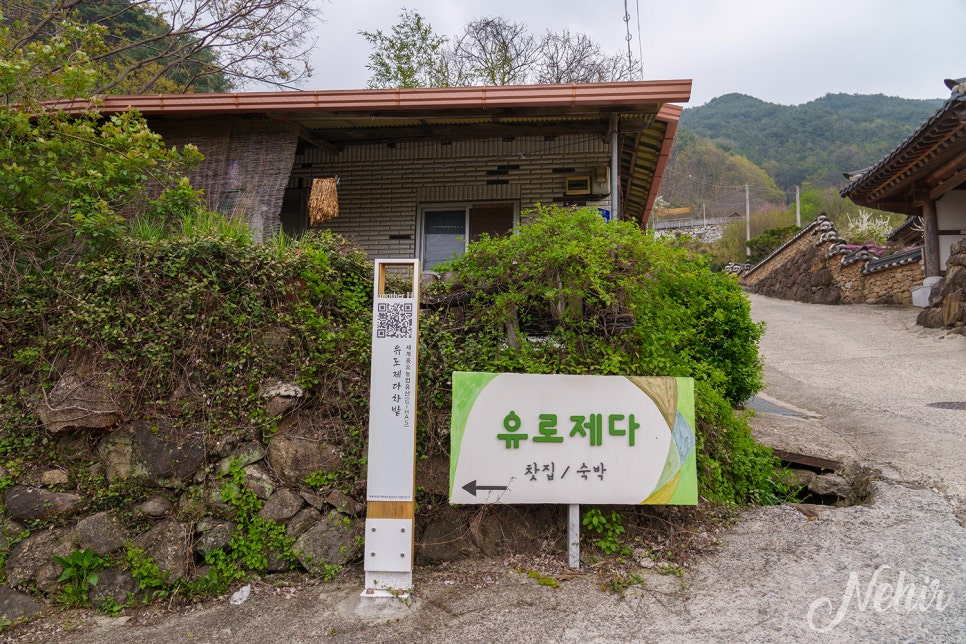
{"points": [[866, 381]]}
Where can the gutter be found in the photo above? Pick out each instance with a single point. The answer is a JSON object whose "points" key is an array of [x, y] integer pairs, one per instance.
{"points": [[572, 96]]}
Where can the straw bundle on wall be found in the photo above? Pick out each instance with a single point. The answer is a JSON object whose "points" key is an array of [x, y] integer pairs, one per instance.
{"points": [[323, 201]]}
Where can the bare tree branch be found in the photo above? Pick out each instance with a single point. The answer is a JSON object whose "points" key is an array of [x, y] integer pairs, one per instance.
{"points": [[187, 40]]}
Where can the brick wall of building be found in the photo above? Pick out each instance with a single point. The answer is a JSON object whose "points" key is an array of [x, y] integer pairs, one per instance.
{"points": [[381, 188]]}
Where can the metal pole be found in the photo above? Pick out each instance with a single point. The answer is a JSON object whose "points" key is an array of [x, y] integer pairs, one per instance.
{"points": [[615, 171], [747, 222], [573, 535], [704, 213], [798, 207]]}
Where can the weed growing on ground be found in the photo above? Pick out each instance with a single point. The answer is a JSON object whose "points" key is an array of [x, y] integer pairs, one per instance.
{"points": [[78, 577]]}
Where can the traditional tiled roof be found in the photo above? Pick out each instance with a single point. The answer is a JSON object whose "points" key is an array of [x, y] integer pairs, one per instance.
{"points": [[823, 228], [909, 256], [931, 161], [821, 224]]}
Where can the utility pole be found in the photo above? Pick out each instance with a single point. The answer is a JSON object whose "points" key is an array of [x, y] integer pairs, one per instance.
{"points": [[798, 207], [704, 213], [747, 222]]}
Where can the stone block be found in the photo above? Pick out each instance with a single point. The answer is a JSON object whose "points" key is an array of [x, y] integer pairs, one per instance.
{"points": [[77, 402], [167, 544], [37, 504], [294, 458]]}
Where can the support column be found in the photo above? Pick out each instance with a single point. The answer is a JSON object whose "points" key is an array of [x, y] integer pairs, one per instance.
{"points": [[615, 169], [930, 254]]}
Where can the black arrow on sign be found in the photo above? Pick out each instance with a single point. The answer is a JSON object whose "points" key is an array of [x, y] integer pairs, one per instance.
{"points": [[472, 487]]}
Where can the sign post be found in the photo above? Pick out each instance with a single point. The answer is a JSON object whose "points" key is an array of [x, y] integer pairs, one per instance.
{"points": [[524, 438], [392, 430]]}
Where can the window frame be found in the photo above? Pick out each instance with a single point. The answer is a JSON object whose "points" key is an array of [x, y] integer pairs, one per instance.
{"points": [[466, 207]]}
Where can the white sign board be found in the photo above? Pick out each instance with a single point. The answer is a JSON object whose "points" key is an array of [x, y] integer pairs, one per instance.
{"points": [[392, 430], [392, 396], [523, 438]]}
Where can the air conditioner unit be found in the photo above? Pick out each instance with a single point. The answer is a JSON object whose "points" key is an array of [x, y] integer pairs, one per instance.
{"points": [[601, 180], [578, 185]]}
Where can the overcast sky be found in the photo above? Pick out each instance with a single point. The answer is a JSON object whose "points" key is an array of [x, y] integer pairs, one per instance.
{"points": [[782, 51]]}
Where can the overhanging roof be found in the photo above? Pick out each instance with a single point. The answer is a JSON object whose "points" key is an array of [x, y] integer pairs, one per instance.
{"points": [[336, 119], [927, 165]]}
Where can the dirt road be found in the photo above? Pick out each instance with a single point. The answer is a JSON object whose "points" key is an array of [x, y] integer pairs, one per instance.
{"points": [[895, 569]]}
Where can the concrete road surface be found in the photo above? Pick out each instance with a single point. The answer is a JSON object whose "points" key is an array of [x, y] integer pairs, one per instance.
{"points": [[864, 382], [895, 392]]}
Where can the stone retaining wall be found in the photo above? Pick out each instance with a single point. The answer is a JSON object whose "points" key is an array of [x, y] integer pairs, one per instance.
{"points": [[178, 494], [947, 300], [816, 265]]}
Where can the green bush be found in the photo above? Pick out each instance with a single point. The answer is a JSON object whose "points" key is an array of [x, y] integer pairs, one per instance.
{"points": [[192, 325], [570, 293], [768, 241]]}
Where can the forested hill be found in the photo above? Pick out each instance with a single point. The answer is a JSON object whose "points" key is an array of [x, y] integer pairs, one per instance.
{"points": [[814, 142]]}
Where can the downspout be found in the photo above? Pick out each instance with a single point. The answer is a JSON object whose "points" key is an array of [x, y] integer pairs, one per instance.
{"points": [[615, 170]]}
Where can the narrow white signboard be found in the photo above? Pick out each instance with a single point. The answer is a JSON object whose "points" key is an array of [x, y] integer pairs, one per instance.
{"points": [[522, 438], [392, 429], [392, 396]]}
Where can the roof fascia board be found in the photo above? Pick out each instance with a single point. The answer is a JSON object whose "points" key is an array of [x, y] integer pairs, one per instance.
{"points": [[572, 96], [671, 116]]}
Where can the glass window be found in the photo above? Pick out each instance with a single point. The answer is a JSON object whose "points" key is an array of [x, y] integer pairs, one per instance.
{"points": [[444, 236], [446, 231]]}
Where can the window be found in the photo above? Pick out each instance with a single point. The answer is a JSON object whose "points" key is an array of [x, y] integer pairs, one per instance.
{"points": [[446, 230]]}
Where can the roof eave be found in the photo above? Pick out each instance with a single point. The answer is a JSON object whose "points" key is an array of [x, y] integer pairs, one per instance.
{"points": [[881, 185], [628, 95], [671, 116]]}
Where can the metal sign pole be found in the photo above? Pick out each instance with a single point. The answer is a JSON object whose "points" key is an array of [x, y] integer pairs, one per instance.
{"points": [[573, 535], [391, 475]]}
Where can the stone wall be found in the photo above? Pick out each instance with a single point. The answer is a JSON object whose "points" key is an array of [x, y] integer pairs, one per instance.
{"points": [[817, 265], [947, 300], [171, 491]]}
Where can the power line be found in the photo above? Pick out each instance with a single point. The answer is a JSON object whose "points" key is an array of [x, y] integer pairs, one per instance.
{"points": [[627, 26], [640, 50], [710, 184]]}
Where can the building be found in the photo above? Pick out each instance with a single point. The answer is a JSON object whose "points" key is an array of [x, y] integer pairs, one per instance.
{"points": [[924, 177], [421, 172]]}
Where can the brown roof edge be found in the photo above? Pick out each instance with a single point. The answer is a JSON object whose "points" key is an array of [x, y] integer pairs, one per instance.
{"points": [[671, 116], [365, 100]]}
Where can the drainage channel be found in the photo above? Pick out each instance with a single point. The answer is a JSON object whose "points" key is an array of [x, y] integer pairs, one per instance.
{"points": [[768, 407], [959, 404], [817, 481]]}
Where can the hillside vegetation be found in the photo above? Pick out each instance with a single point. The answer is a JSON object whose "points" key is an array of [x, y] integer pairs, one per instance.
{"points": [[810, 143]]}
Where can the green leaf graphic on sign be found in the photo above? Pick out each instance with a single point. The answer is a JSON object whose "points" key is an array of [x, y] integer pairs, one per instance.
{"points": [[467, 387], [678, 482]]}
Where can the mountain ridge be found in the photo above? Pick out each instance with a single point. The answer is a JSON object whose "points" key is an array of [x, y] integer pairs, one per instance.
{"points": [[812, 143]]}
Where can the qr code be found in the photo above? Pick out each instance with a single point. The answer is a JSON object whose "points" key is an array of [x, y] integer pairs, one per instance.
{"points": [[394, 320]]}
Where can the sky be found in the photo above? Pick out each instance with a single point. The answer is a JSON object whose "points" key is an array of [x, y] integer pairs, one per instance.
{"points": [[781, 51]]}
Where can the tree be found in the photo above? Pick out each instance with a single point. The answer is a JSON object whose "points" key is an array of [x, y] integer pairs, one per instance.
{"points": [[493, 51], [412, 55], [575, 58], [181, 45], [490, 51], [703, 174], [67, 180]]}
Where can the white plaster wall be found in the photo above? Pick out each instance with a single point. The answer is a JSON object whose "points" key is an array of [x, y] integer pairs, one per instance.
{"points": [[951, 213]]}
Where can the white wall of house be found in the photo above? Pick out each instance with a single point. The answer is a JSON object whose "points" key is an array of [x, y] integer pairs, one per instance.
{"points": [[951, 215], [383, 189]]}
